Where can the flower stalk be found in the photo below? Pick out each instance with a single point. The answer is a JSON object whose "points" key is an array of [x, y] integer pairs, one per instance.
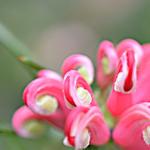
{"points": [[18, 50]]}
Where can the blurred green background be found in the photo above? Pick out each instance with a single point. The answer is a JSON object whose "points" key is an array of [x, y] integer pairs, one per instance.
{"points": [[54, 29]]}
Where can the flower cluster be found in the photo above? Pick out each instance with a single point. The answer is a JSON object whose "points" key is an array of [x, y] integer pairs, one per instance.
{"points": [[68, 103]]}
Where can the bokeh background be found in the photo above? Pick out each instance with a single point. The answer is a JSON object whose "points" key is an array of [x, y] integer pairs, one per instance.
{"points": [[54, 29]]}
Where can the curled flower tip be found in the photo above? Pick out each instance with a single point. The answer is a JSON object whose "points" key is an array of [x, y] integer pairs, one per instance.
{"points": [[134, 122], [82, 64], [77, 91], [44, 96], [133, 45], [27, 124], [85, 126], [126, 74], [49, 74], [106, 63]]}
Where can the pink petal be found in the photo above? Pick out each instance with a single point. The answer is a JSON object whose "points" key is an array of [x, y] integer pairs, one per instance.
{"points": [[44, 86], [130, 44], [128, 132], [49, 74], [106, 51], [75, 61], [22, 115], [84, 118], [72, 81], [142, 93]]}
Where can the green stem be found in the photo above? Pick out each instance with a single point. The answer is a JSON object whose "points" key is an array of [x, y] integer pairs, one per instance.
{"points": [[18, 50], [7, 132]]}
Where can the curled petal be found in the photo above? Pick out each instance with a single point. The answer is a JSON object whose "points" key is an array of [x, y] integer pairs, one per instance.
{"points": [[142, 93], [106, 63], [45, 96], [85, 126], [130, 44], [126, 74], [77, 91], [82, 64], [27, 124], [124, 83], [132, 131], [49, 74]]}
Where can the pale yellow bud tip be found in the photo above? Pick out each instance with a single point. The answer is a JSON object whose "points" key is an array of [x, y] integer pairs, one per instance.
{"points": [[47, 104], [84, 73], [84, 96], [34, 127], [106, 67]]}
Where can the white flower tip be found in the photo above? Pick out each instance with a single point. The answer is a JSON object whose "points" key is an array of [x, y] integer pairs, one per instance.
{"points": [[146, 135], [84, 140], [66, 142]]}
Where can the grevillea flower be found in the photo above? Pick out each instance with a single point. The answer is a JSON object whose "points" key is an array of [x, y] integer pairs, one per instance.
{"points": [[49, 74], [85, 126], [133, 130], [44, 96], [27, 124], [130, 84], [82, 64], [126, 66], [77, 91], [124, 83], [106, 63]]}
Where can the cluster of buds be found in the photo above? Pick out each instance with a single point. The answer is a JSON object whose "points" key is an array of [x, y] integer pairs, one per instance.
{"points": [[68, 103]]}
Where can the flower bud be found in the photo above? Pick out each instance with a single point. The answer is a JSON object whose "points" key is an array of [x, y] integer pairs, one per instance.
{"points": [[27, 124], [77, 91], [106, 63], [85, 126], [44, 96], [80, 63]]}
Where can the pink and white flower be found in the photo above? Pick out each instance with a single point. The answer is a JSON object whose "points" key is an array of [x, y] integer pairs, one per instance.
{"points": [[77, 91], [44, 96], [82, 64], [27, 124], [85, 126]]}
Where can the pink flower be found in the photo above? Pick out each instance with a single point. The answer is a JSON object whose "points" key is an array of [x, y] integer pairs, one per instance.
{"points": [[124, 83], [106, 63], [44, 96], [133, 130], [131, 84], [49, 74], [82, 64], [27, 124], [85, 126], [77, 91]]}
